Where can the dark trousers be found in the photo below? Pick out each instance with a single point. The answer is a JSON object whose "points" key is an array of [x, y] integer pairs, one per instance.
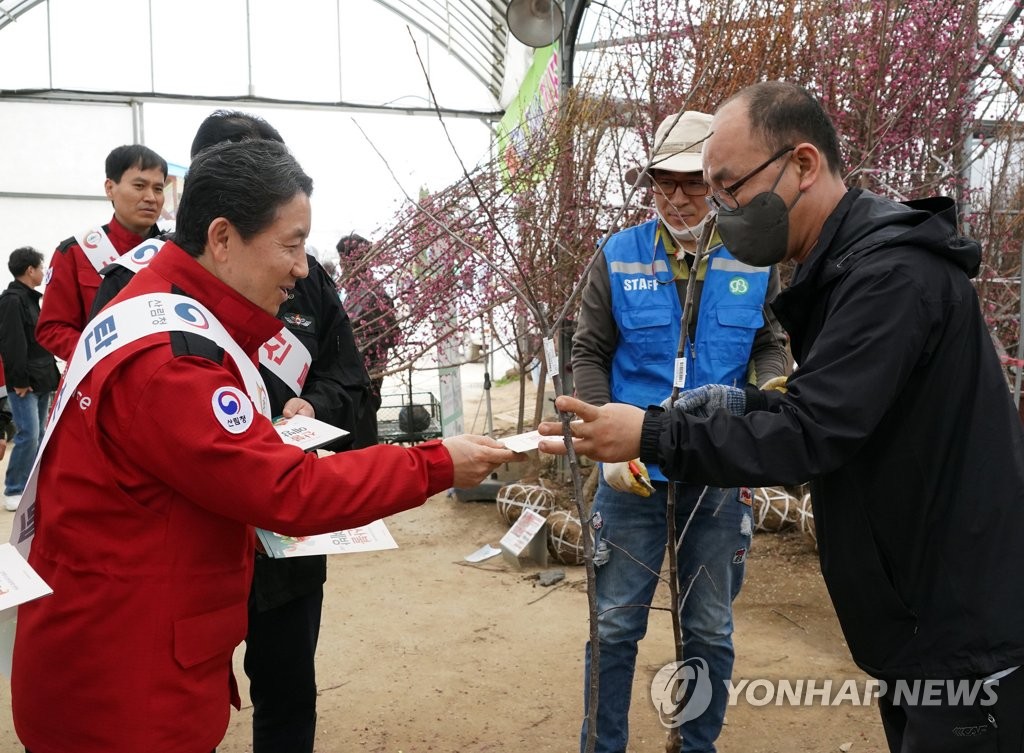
{"points": [[279, 651], [914, 726]]}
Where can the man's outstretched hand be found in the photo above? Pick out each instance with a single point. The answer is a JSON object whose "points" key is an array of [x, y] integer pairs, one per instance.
{"points": [[475, 457], [609, 433]]}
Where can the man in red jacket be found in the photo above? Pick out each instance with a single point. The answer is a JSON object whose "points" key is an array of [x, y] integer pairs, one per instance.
{"points": [[159, 464], [135, 186]]}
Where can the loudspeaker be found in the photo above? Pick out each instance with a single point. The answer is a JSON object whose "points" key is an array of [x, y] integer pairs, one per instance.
{"points": [[535, 23]]}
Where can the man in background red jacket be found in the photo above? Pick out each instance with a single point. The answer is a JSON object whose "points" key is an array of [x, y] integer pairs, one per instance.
{"points": [[135, 186]]}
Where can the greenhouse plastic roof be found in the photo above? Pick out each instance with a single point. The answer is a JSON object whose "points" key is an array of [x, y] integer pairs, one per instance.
{"points": [[471, 34], [453, 57]]}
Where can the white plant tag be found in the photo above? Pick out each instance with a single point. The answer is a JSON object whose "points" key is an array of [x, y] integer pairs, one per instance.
{"points": [[550, 356], [680, 373]]}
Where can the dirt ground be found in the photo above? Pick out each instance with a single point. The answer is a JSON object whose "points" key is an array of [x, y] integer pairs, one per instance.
{"points": [[420, 651]]}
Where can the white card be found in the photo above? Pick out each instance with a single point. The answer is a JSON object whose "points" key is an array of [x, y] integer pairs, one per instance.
{"points": [[522, 442], [528, 440], [483, 553]]}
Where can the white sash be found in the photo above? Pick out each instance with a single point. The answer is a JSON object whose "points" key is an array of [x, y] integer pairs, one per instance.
{"points": [[97, 247], [287, 359], [283, 355], [140, 256], [113, 328]]}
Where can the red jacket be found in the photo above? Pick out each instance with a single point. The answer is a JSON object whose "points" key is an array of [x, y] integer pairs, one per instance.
{"points": [[71, 285], [143, 531]]}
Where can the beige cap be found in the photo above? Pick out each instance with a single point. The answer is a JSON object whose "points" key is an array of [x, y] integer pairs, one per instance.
{"points": [[680, 150]]}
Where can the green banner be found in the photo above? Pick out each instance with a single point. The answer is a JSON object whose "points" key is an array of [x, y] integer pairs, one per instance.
{"points": [[537, 96]]}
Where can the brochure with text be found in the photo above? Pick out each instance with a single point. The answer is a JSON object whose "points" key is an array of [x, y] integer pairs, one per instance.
{"points": [[306, 433], [369, 538]]}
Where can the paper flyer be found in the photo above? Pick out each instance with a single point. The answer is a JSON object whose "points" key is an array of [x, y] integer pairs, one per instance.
{"points": [[18, 581], [369, 538], [306, 433]]}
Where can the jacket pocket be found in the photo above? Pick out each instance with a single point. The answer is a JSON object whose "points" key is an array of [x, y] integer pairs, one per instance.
{"points": [[210, 635], [749, 317], [880, 628], [42, 374], [737, 326], [88, 277], [647, 327]]}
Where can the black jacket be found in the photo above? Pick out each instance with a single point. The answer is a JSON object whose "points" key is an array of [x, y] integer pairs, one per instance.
{"points": [[337, 387], [900, 416], [26, 362]]}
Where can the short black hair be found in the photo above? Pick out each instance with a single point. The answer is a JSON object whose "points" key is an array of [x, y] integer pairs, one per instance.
{"points": [[784, 114], [245, 182], [232, 125], [350, 243], [124, 157], [22, 259]]}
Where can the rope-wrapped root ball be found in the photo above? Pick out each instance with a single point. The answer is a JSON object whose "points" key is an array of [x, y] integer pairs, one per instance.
{"points": [[565, 537], [775, 509], [512, 499]]}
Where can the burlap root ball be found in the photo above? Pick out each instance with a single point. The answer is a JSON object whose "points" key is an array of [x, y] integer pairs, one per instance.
{"points": [[565, 537], [775, 509], [512, 499]]}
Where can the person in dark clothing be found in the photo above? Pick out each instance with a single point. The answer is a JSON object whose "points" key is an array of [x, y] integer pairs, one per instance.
{"points": [[898, 413], [376, 327], [30, 372], [286, 600], [6, 424], [287, 594]]}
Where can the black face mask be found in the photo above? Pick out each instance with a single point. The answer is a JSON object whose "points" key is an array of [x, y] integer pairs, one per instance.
{"points": [[757, 233]]}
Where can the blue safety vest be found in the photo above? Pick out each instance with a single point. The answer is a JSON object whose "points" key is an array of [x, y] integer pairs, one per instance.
{"points": [[647, 310]]}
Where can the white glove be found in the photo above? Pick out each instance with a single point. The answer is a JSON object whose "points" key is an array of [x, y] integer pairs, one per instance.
{"points": [[630, 476]]}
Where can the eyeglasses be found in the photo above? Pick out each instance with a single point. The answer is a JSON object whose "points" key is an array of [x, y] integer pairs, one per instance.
{"points": [[725, 198], [667, 186]]}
